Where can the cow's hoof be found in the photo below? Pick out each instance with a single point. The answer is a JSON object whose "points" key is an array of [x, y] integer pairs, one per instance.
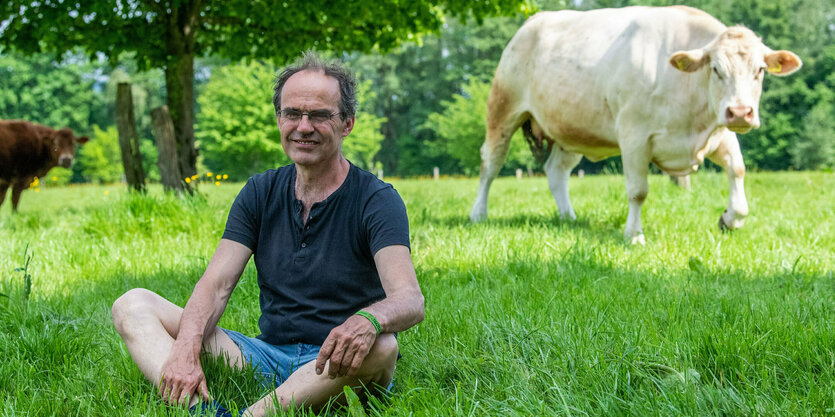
{"points": [[638, 240], [722, 226], [475, 218]]}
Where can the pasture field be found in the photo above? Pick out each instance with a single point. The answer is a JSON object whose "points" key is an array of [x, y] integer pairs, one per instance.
{"points": [[525, 314]]}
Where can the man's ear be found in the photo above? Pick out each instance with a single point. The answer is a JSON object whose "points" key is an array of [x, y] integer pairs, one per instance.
{"points": [[349, 126], [782, 62], [689, 61]]}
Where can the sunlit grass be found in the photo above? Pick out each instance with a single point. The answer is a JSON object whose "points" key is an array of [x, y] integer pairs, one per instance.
{"points": [[526, 314]]}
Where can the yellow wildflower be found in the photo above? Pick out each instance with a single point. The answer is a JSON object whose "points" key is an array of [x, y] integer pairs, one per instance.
{"points": [[217, 182], [188, 180], [208, 174], [106, 192], [217, 177], [54, 178], [226, 177]]}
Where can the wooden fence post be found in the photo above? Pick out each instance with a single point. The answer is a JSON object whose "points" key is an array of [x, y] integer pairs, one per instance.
{"points": [[169, 166], [128, 138]]}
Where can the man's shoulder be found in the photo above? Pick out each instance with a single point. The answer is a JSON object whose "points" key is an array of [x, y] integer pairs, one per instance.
{"points": [[368, 184], [274, 174]]}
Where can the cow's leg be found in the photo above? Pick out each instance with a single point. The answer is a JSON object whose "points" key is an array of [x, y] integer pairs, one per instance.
{"points": [[500, 127], [728, 155], [682, 181], [18, 187], [4, 186], [558, 168], [635, 170]]}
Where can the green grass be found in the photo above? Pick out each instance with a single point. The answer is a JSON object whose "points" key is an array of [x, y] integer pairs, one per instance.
{"points": [[525, 314]]}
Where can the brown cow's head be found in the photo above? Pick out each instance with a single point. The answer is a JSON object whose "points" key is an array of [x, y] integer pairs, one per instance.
{"points": [[737, 60], [63, 146]]}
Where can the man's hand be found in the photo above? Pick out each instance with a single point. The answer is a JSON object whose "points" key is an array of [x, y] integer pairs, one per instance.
{"points": [[346, 347], [182, 377]]}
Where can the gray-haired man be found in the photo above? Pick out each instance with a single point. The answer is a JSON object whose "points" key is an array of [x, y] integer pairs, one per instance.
{"points": [[331, 247]]}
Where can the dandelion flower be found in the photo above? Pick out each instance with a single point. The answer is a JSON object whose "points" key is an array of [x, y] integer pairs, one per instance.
{"points": [[208, 174], [217, 182], [226, 177], [37, 190], [106, 192], [217, 177], [194, 177], [188, 180]]}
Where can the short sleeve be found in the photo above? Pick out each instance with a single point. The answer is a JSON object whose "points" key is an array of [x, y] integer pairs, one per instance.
{"points": [[385, 220], [243, 220]]}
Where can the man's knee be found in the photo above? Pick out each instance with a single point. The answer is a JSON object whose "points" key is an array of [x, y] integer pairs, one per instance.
{"points": [[383, 354], [131, 305]]}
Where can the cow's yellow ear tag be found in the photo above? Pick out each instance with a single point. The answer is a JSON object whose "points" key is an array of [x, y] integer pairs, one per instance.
{"points": [[680, 64], [777, 68]]}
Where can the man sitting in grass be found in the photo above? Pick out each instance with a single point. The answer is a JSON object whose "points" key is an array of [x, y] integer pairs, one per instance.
{"points": [[331, 247]]}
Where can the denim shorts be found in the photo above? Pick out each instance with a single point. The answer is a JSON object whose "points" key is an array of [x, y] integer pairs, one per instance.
{"points": [[274, 363]]}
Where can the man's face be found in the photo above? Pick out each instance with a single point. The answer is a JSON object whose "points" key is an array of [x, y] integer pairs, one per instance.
{"points": [[310, 142]]}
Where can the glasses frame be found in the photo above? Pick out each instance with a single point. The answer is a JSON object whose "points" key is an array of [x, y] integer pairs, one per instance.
{"points": [[316, 119]]}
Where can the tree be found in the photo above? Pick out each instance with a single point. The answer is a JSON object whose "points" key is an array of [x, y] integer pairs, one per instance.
{"points": [[100, 160], [44, 91], [169, 34], [460, 128]]}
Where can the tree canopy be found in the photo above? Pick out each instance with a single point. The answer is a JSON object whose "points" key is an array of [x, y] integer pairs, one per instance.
{"points": [[169, 34]]}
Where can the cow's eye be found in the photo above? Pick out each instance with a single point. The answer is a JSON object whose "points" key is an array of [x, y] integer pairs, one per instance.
{"points": [[760, 73], [716, 71]]}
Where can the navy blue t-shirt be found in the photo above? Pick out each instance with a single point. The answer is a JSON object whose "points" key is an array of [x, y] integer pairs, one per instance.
{"points": [[314, 276]]}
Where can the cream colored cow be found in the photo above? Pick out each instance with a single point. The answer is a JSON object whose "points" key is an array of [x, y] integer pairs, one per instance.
{"points": [[667, 85]]}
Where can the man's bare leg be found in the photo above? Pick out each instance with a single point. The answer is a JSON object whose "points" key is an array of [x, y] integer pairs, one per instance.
{"points": [[306, 388], [149, 324]]}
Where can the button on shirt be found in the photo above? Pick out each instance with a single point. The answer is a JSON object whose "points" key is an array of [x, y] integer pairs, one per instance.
{"points": [[314, 275]]}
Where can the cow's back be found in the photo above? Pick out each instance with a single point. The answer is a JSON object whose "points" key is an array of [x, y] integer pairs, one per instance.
{"points": [[23, 150], [575, 72]]}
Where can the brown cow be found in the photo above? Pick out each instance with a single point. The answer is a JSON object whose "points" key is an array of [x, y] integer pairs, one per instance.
{"points": [[29, 150]]}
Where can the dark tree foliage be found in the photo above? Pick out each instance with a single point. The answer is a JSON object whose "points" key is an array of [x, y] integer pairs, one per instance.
{"points": [[169, 34]]}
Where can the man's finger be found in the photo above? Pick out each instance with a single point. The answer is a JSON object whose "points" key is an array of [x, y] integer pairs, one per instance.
{"points": [[185, 394], [336, 362], [204, 390], [324, 354], [345, 364], [359, 358]]}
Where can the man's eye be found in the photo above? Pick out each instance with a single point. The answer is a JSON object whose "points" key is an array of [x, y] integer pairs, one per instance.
{"points": [[292, 114], [319, 116]]}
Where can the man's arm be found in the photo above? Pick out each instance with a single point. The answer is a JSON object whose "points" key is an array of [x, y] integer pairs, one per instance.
{"points": [[182, 374], [347, 345]]}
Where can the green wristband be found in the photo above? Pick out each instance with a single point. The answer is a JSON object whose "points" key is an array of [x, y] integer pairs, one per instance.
{"points": [[370, 318]]}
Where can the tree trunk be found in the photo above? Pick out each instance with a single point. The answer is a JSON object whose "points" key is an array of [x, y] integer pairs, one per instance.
{"points": [[179, 83], [169, 165], [128, 138]]}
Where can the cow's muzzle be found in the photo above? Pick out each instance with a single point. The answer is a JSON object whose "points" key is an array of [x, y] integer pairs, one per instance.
{"points": [[740, 119], [65, 162]]}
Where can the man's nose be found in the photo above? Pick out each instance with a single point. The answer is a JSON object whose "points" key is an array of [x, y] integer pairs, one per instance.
{"points": [[304, 124]]}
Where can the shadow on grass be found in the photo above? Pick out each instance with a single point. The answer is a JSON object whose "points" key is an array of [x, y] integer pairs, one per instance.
{"points": [[601, 232]]}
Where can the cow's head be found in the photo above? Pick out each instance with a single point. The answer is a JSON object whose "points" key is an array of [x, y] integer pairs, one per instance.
{"points": [[63, 146], [737, 60]]}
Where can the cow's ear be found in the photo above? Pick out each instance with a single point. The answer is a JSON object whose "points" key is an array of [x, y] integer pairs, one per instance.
{"points": [[82, 140], [782, 62], [688, 61]]}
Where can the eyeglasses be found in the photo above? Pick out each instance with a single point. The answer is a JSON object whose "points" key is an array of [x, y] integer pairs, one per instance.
{"points": [[314, 116]]}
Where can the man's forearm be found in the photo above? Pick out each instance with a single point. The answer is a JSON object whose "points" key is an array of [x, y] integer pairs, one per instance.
{"points": [[201, 314], [398, 312]]}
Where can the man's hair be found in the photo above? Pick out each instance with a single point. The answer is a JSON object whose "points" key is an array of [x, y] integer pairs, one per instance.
{"points": [[311, 61]]}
